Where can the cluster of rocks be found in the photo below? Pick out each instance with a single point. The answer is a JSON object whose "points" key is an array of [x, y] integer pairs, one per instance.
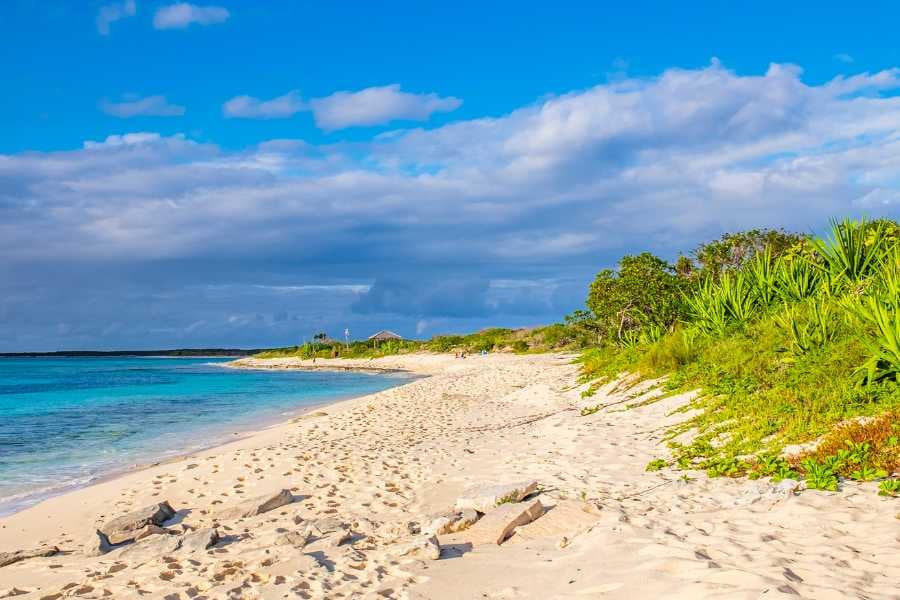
{"points": [[143, 532], [488, 514]]}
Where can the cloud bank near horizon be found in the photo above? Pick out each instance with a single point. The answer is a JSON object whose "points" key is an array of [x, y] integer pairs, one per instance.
{"points": [[501, 218]]}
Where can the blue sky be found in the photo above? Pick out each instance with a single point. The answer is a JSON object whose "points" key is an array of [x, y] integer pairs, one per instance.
{"points": [[247, 173]]}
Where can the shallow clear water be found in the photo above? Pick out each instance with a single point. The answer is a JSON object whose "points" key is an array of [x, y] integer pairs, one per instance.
{"points": [[67, 421]]}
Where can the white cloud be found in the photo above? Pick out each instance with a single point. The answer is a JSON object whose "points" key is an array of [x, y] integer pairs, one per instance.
{"points": [[183, 14], [151, 106], [843, 57], [248, 107], [128, 139], [434, 224], [115, 11], [376, 106], [660, 162]]}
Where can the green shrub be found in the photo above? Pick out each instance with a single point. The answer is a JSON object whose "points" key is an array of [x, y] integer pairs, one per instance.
{"points": [[778, 340]]}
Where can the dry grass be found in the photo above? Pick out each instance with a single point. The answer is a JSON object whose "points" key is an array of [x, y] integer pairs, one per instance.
{"points": [[882, 433]]}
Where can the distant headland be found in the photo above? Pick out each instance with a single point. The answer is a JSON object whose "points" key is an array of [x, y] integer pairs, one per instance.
{"points": [[108, 353]]}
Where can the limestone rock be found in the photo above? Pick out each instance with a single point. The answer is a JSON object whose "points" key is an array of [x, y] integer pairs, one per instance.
{"points": [[569, 518], [292, 538], [425, 547], [148, 530], [98, 544], [152, 547], [257, 506], [200, 540], [8, 558], [438, 525], [499, 524], [484, 498], [451, 522], [340, 536], [324, 526], [124, 528]]}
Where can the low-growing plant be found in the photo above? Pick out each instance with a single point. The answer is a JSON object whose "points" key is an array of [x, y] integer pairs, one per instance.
{"points": [[589, 410], [819, 476], [889, 487], [726, 467], [656, 464], [867, 473]]}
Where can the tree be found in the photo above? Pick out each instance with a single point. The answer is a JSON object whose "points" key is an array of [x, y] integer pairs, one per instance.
{"points": [[644, 291], [733, 250]]}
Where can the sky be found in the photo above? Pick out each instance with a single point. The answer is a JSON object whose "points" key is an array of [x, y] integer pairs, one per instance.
{"points": [[247, 174]]}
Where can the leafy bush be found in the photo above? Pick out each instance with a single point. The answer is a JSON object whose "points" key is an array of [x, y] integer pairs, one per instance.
{"points": [[643, 293], [787, 342]]}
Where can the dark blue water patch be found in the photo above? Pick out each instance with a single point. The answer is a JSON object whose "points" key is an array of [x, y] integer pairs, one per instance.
{"points": [[65, 421]]}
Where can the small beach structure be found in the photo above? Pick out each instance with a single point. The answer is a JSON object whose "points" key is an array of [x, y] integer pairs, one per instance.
{"points": [[383, 335]]}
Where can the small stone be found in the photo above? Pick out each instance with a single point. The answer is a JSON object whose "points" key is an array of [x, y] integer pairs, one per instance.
{"points": [[8, 558], [340, 536], [485, 498], [292, 538], [500, 523], [438, 526], [451, 522], [124, 528], [322, 527], [149, 530], [425, 547], [152, 547], [257, 506], [98, 544], [200, 540]]}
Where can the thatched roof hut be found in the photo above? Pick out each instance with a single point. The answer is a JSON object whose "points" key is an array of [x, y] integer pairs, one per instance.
{"points": [[384, 335]]}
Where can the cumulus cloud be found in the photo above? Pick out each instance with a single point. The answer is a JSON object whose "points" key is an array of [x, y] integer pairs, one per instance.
{"points": [[377, 106], [497, 220], [183, 14], [150, 106], [115, 11], [248, 107]]}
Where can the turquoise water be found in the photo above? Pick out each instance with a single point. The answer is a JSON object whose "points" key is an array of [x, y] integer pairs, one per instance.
{"points": [[65, 422]]}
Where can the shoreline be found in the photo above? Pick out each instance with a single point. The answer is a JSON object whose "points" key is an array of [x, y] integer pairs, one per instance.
{"points": [[365, 476], [18, 503], [255, 429]]}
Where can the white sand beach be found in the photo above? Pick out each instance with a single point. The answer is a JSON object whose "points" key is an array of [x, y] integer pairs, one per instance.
{"points": [[368, 476]]}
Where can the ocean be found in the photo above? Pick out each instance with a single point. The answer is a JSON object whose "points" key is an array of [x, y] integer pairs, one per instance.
{"points": [[65, 422]]}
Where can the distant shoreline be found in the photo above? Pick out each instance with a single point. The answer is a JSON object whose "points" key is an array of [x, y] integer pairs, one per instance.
{"points": [[179, 352]]}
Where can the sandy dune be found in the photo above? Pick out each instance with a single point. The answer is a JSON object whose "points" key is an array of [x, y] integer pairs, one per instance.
{"points": [[376, 463]]}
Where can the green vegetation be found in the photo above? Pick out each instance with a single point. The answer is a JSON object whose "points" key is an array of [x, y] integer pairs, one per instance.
{"points": [[788, 338], [656, 464], [889, 487], [556, 337]]}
